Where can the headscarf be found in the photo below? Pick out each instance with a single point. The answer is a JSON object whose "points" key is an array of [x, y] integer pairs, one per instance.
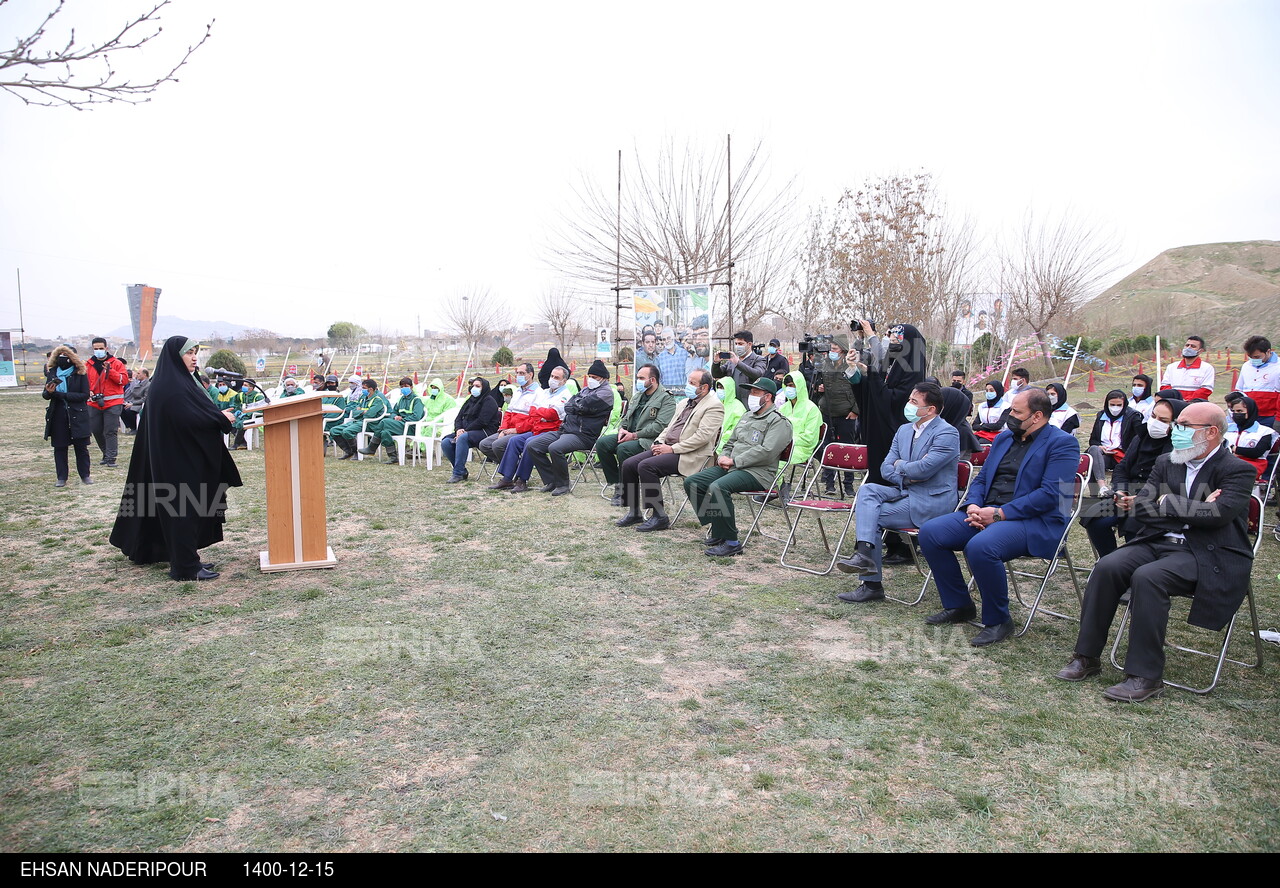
{"points": [[998, 386], [955, 412], [1146, 386], [1057, 389], [552, 362], [1251, 417]]}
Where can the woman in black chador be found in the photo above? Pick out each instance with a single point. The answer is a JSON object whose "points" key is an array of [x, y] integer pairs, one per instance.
{"points": [[176, 493], [895, 365]]}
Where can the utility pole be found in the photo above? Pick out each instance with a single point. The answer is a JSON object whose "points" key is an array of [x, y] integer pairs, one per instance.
{"points": [[22, 329]]}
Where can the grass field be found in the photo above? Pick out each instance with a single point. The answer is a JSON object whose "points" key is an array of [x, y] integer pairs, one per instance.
{"points": [[491, 672]]}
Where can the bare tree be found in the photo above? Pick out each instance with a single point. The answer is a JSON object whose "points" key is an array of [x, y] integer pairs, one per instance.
{"points": [[41, 69], [257, 341], [1048, 269], [675, 228], [478, 317], [564, 313]]}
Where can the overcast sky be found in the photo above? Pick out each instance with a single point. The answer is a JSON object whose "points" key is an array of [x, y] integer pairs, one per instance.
{"points": [[324, 161]]}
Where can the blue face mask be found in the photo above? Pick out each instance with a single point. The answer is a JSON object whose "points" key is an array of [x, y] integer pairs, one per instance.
{"points": [[639, 386], [99, 353], [521, 380], [789, 393], [835, 356], [1139, 391], [476, 391], [1182, 438], [691, 391], [910, 411], [991, 396], [1257, 362], [773, 349], [406, 390], [222, 389], [719, 393]]}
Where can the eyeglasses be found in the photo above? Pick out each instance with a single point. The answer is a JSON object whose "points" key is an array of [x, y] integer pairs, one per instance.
{"points": [[1184, 426]]}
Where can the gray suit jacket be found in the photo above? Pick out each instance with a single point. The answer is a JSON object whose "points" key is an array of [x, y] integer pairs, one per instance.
{"points": [[925, 468]]}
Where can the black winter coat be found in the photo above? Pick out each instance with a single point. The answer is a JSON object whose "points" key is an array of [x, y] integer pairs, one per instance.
{"points": [[69, 407]]}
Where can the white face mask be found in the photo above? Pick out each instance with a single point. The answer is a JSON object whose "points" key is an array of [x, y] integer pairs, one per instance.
{"points": [[554, 384], [1114, 410], [592, 382], [753, 403], [1157, 428]]}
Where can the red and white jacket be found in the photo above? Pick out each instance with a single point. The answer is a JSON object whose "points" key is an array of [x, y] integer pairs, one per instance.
{"points": [[1262, 384], [1252, 445], [1194, 379], [109, 382]]}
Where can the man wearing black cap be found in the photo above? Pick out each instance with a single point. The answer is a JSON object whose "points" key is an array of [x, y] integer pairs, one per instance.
{"points": [[775, 361], [749, 461], [585, 416]]}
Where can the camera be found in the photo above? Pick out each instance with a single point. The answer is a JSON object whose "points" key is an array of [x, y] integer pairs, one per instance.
{"points": [[856, 324], [811, 344], [97, 399], [758, 348]]}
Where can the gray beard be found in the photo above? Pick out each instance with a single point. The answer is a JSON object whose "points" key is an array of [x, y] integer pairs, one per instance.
{"points": [[1192, 453]]}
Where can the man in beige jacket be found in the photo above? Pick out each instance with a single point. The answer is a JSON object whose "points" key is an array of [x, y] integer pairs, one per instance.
{"points": [[683, 447]]}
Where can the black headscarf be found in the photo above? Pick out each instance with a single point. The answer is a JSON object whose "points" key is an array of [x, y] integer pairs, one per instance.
{"points": [[178, 457], [552, 362], [1252, 416], [1057, 389], [955, 412], [998, 386], [884, 392], [1146, 386], [478, 411]]}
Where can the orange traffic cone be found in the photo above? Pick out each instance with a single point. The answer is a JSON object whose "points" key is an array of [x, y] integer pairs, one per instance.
{"points": [[415, 377], [1235, 375], [1106, 365], [1092, 387], [1139, 373]]}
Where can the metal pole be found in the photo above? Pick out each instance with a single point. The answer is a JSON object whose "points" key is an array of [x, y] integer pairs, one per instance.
{"points": [[22, 329], [1067, 380], [1159, 372], [728, 152], [617, 270], [1008, 365]]}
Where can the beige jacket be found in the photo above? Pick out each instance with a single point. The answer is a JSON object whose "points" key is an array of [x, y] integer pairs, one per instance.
{"points": [[698, 439]]}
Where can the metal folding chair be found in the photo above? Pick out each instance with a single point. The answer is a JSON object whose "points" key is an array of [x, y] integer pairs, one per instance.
{"points": [[1061, 553], [964, 477], [761, 499], [1256, 507], [843, 459]]}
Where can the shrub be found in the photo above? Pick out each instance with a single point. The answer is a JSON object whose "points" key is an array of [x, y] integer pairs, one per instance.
{"points": [[503, 357], [225, 359]]}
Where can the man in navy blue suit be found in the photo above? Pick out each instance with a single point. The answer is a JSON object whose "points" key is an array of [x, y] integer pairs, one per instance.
{"points": [[1019, 506]]}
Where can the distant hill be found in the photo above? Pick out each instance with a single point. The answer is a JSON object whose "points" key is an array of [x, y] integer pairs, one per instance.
{"points": [[168, 325], [1223, 292]]}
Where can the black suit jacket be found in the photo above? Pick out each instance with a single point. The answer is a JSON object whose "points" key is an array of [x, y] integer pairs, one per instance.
{"points": [[1217, 532]]}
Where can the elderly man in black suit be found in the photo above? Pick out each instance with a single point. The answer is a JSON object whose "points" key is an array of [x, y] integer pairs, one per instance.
{"points": [[1193, 539]]}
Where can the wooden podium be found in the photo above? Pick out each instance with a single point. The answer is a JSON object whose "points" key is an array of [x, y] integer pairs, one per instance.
{"points": [[297, 524]]}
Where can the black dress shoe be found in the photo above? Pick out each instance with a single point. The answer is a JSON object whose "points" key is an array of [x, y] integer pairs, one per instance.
{"points": [[725, 550], [61, 482], [992, 634], [208, 565], [547, 488], [347, 455], [655, 523], [859, 564], [952, 615], [1080, 668], [896, 558], [713, 542], [862, 593], [561, 490], [617, 500], [628, 520], [203, 574]]}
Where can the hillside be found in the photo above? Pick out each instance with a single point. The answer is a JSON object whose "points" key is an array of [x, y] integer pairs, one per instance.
{"points": [[1224, 292]]}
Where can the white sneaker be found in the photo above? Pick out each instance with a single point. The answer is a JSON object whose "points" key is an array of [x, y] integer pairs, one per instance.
{"points": [[1270, 636]]}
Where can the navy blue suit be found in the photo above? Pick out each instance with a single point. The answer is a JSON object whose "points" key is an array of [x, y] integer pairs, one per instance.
{"points": [[1034, 521]]}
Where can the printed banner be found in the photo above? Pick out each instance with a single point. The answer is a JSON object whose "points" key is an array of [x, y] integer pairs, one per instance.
{"points": [[673, 329], [604, 344], [982, 313], [8, 372]]}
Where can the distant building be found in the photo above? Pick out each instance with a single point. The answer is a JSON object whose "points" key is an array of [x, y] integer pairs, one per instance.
{"points": [[142, 311]]}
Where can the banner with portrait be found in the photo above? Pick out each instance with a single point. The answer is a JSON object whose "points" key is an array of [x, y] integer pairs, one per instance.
{"points": [[673, 328], [981, 313], [8, 370]]}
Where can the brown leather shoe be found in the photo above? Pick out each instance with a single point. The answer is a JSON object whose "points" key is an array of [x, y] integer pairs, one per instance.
{"points": [[1080, 668], [1135, 689], [502, 485], [519, 486]]}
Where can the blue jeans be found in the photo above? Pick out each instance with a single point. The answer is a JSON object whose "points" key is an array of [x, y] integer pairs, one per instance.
{"points": [[457, 451]]}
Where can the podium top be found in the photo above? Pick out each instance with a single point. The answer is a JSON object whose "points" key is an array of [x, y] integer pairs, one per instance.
{"points": [[297, 400]]}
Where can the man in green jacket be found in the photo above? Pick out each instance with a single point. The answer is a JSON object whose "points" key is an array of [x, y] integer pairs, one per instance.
{"points": [[749, 461], [370, 405], [648, 413], [436, 400], [806, 419], [727, 393], [408, 409]]}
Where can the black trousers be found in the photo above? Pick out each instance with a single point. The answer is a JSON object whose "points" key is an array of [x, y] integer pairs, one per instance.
{"points": [[60, 464], [1152, 572], [642, 476]]}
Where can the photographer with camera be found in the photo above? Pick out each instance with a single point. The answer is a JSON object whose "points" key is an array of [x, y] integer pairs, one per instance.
{"points": [[836, 377], [895, 366], [742, 364], [107, 379]]}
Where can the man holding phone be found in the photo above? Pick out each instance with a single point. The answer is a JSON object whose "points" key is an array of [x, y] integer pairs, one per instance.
{"points": [[742, 364]]}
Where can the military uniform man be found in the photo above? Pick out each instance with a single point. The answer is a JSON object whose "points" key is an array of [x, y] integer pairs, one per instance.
{"points": [[647, 415]]}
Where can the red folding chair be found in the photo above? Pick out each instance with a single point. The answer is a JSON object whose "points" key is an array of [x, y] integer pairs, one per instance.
{"points": [[964, 477], [1061, 553], [843, 459]]}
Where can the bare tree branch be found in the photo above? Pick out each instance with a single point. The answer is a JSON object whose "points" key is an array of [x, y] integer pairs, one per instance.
{"points": [[479, 318], [42, 70]]}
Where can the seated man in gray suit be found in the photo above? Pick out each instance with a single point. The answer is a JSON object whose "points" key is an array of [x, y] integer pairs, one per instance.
{"points": [[921, 474], [1193, 539]]}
